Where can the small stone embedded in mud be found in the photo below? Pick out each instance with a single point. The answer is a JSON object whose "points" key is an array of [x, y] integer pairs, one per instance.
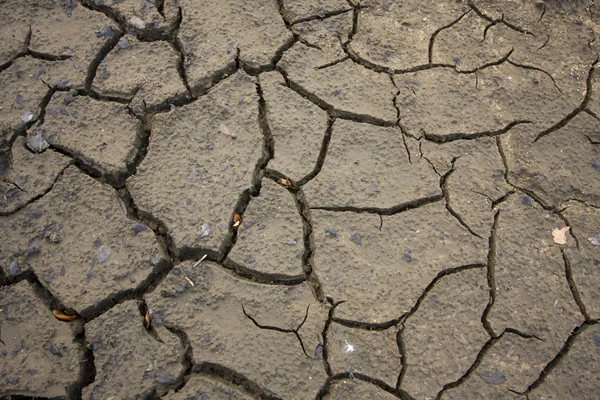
{"points": [[52, 237], [204, 231], [54, 350], [527, 201], [356, 238], [408, 258], [107, 31], [319, 352], [13, 268], [249, 260], [20, 346], [331, 232], [597, 340], [594, 240], [291, 242], [137, 22], [332, 187], [103, 254], [123, 43], [493, 377], [36, 141], [137, 228], [27, 116]]}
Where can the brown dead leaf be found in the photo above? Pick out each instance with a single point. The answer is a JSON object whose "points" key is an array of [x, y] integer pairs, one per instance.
{"points": [[62, 316], [147, 318], [285, 183], [559, 235], [237, 220]]}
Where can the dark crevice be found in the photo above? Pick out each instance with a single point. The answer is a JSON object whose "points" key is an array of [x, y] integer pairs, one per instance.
{"points": [[39, 196], [325, 332], [573, 286], [186, 360], [321, 16], [437, 31], [248, 274], [322, 154], [478, 359], [332, 63], [446, 194], [563, 122], [450, 137], [148, 33], [100, 56], [294, 331], [532, 68], [500, 20], [233, 378], [309, 246], [403, 357], [324, 391], [543, 44], [548, 368], [87, 367], [178, 47], [331, 110], [491, 276], [381, 326], [384, 211]]}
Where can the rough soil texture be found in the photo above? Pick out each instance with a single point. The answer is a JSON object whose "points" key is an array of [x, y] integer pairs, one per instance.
{"points": [[275, 199]]}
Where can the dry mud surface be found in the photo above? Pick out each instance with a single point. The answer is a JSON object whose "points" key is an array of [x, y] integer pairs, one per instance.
{"points": [[232, 199]]}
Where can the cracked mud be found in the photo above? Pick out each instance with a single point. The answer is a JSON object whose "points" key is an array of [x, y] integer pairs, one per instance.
{"points": [[299, 199]]}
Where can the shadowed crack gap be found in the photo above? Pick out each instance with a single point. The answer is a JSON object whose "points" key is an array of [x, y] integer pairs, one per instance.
{"points": [[402, 207], [563, 122], [325, 332], [450, 137], [573, 286], [437, 32], [324, 391], [283, 330], [548, 368], [491, 277], [330, 109], [232, 377], [479, 359], [446, 194], [322, 153]]}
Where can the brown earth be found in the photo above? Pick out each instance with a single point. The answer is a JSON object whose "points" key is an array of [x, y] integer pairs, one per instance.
{"points": [[227, 199]]}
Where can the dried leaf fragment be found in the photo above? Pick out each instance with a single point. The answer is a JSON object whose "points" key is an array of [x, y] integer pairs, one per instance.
{"points": [[62, 316], [147, 319], [285, 183], [237, 220], [559, 235]]}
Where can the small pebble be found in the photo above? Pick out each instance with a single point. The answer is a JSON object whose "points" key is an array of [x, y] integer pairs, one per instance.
{"points": [[36, 141], [103, 254], [595, 240], [204, 231], [527, 201], [13, 268], [249, 260], [291, 242], [356, 238], [123, 43], [27, 116], [137, 228], [107, 31], [54, 350], [137, 22], [331, 232], [408, 258]]}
